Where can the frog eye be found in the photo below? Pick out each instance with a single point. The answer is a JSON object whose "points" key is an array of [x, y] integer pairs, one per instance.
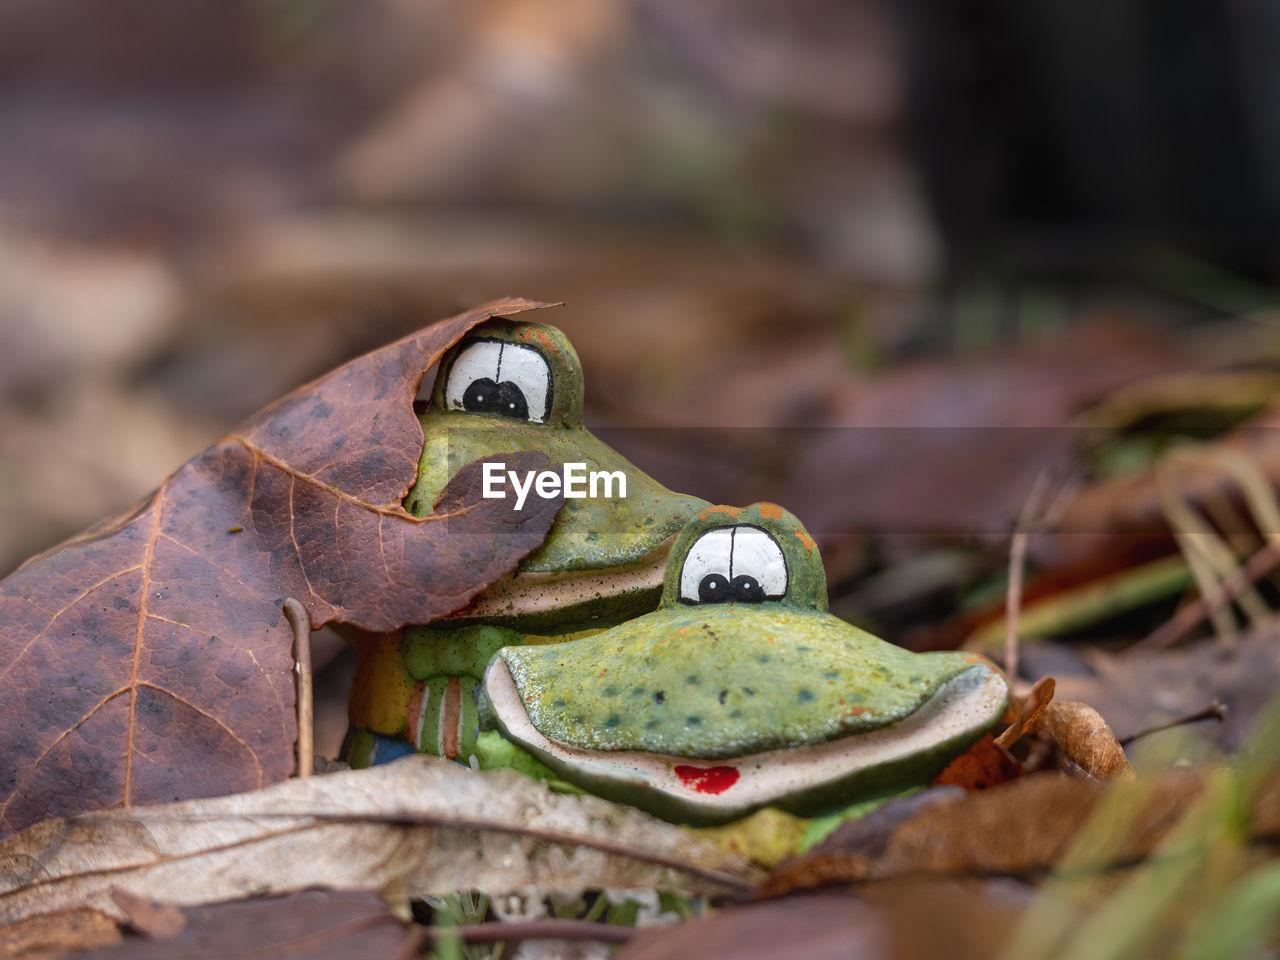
{"points": [[499, 378], [741, 564]]}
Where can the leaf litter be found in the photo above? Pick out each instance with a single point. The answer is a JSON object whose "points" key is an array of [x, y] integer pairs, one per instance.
{"points": [[985, 850], [147, 660], [419, 827]]}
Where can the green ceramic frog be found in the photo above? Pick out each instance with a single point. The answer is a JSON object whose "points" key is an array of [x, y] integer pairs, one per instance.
{"points": [[511, 386], [741, 690]]}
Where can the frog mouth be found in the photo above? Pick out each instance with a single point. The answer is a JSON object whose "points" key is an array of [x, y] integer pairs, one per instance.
{"points": [[801, 779], [530, 593]]}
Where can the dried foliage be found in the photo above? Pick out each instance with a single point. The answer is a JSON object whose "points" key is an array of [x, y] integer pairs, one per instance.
{"points": [[419, 827], [148, 661]]}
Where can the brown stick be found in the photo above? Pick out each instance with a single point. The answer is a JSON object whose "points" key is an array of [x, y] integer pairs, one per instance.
{"points": [[1217, 710], [1193, 614], [297, 616]]}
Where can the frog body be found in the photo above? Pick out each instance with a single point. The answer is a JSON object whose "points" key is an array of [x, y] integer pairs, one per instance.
{"points": [[740, 690], [511, 386]]}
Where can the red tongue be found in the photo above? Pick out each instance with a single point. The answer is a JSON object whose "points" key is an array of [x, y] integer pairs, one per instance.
{"points": [[707, 779]]}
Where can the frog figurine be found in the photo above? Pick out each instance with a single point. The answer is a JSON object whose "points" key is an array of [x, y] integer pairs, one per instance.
{"points": [[511, 386], [740, 691]]}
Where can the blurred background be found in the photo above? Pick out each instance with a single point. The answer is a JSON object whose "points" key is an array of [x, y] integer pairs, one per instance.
{"points": [[886, 263]]}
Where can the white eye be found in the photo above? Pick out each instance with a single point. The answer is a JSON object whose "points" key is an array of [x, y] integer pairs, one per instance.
{"points": [[756, 554], [710, 554], [504, 379], [741, 563]]}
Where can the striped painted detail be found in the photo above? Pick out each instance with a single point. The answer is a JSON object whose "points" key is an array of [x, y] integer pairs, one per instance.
{"points": [[443, 718], [417, 712], [450, 719]]}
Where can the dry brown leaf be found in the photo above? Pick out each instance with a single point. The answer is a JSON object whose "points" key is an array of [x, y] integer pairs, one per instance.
{"points": [[983, 765], [147, 661], [824, 927], [421, 826], [1025, 710], [312, 925], [1082, 734], [966, 921], [1140, 691], [148, 916], [54, 934], [987, 763], [1020, 828]]}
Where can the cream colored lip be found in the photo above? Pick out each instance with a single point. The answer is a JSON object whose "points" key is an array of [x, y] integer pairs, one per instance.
{"points": [[960, 707], [523, 593]]}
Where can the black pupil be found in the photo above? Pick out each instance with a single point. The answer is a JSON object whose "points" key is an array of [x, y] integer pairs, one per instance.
{"points": [[716, 588], [504, 399], [713, 589]]}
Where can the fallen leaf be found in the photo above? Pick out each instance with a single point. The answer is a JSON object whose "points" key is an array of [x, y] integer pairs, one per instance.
{"points": [[54, 934], [148, 916], [983, 765], [420, 826], [313, 924], [147, 660], [822, 927], [1025, 710], [965, 921], [1139, 691], [1021, 828], [1082, 734]]}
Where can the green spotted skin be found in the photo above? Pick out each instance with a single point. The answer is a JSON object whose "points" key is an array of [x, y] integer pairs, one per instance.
{"points": [[721, 680], [748, 679]]}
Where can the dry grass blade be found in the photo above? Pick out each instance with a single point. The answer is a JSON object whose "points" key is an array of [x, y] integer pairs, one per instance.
{"points": [[1218, 575], [1208, 605]]}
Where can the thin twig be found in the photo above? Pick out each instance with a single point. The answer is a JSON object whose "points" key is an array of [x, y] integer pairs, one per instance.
{"points": [[1217, 710], [551, 929], [297, 616], [1017, 557], [1207, 604]]}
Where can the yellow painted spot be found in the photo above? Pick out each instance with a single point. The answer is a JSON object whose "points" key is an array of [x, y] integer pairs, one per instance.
{"points": [[806, 540], [770, 511], [381, 687]]}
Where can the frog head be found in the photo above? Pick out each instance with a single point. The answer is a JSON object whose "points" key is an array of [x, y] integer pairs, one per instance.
{"points": [[741, 690], [514, 386]]}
